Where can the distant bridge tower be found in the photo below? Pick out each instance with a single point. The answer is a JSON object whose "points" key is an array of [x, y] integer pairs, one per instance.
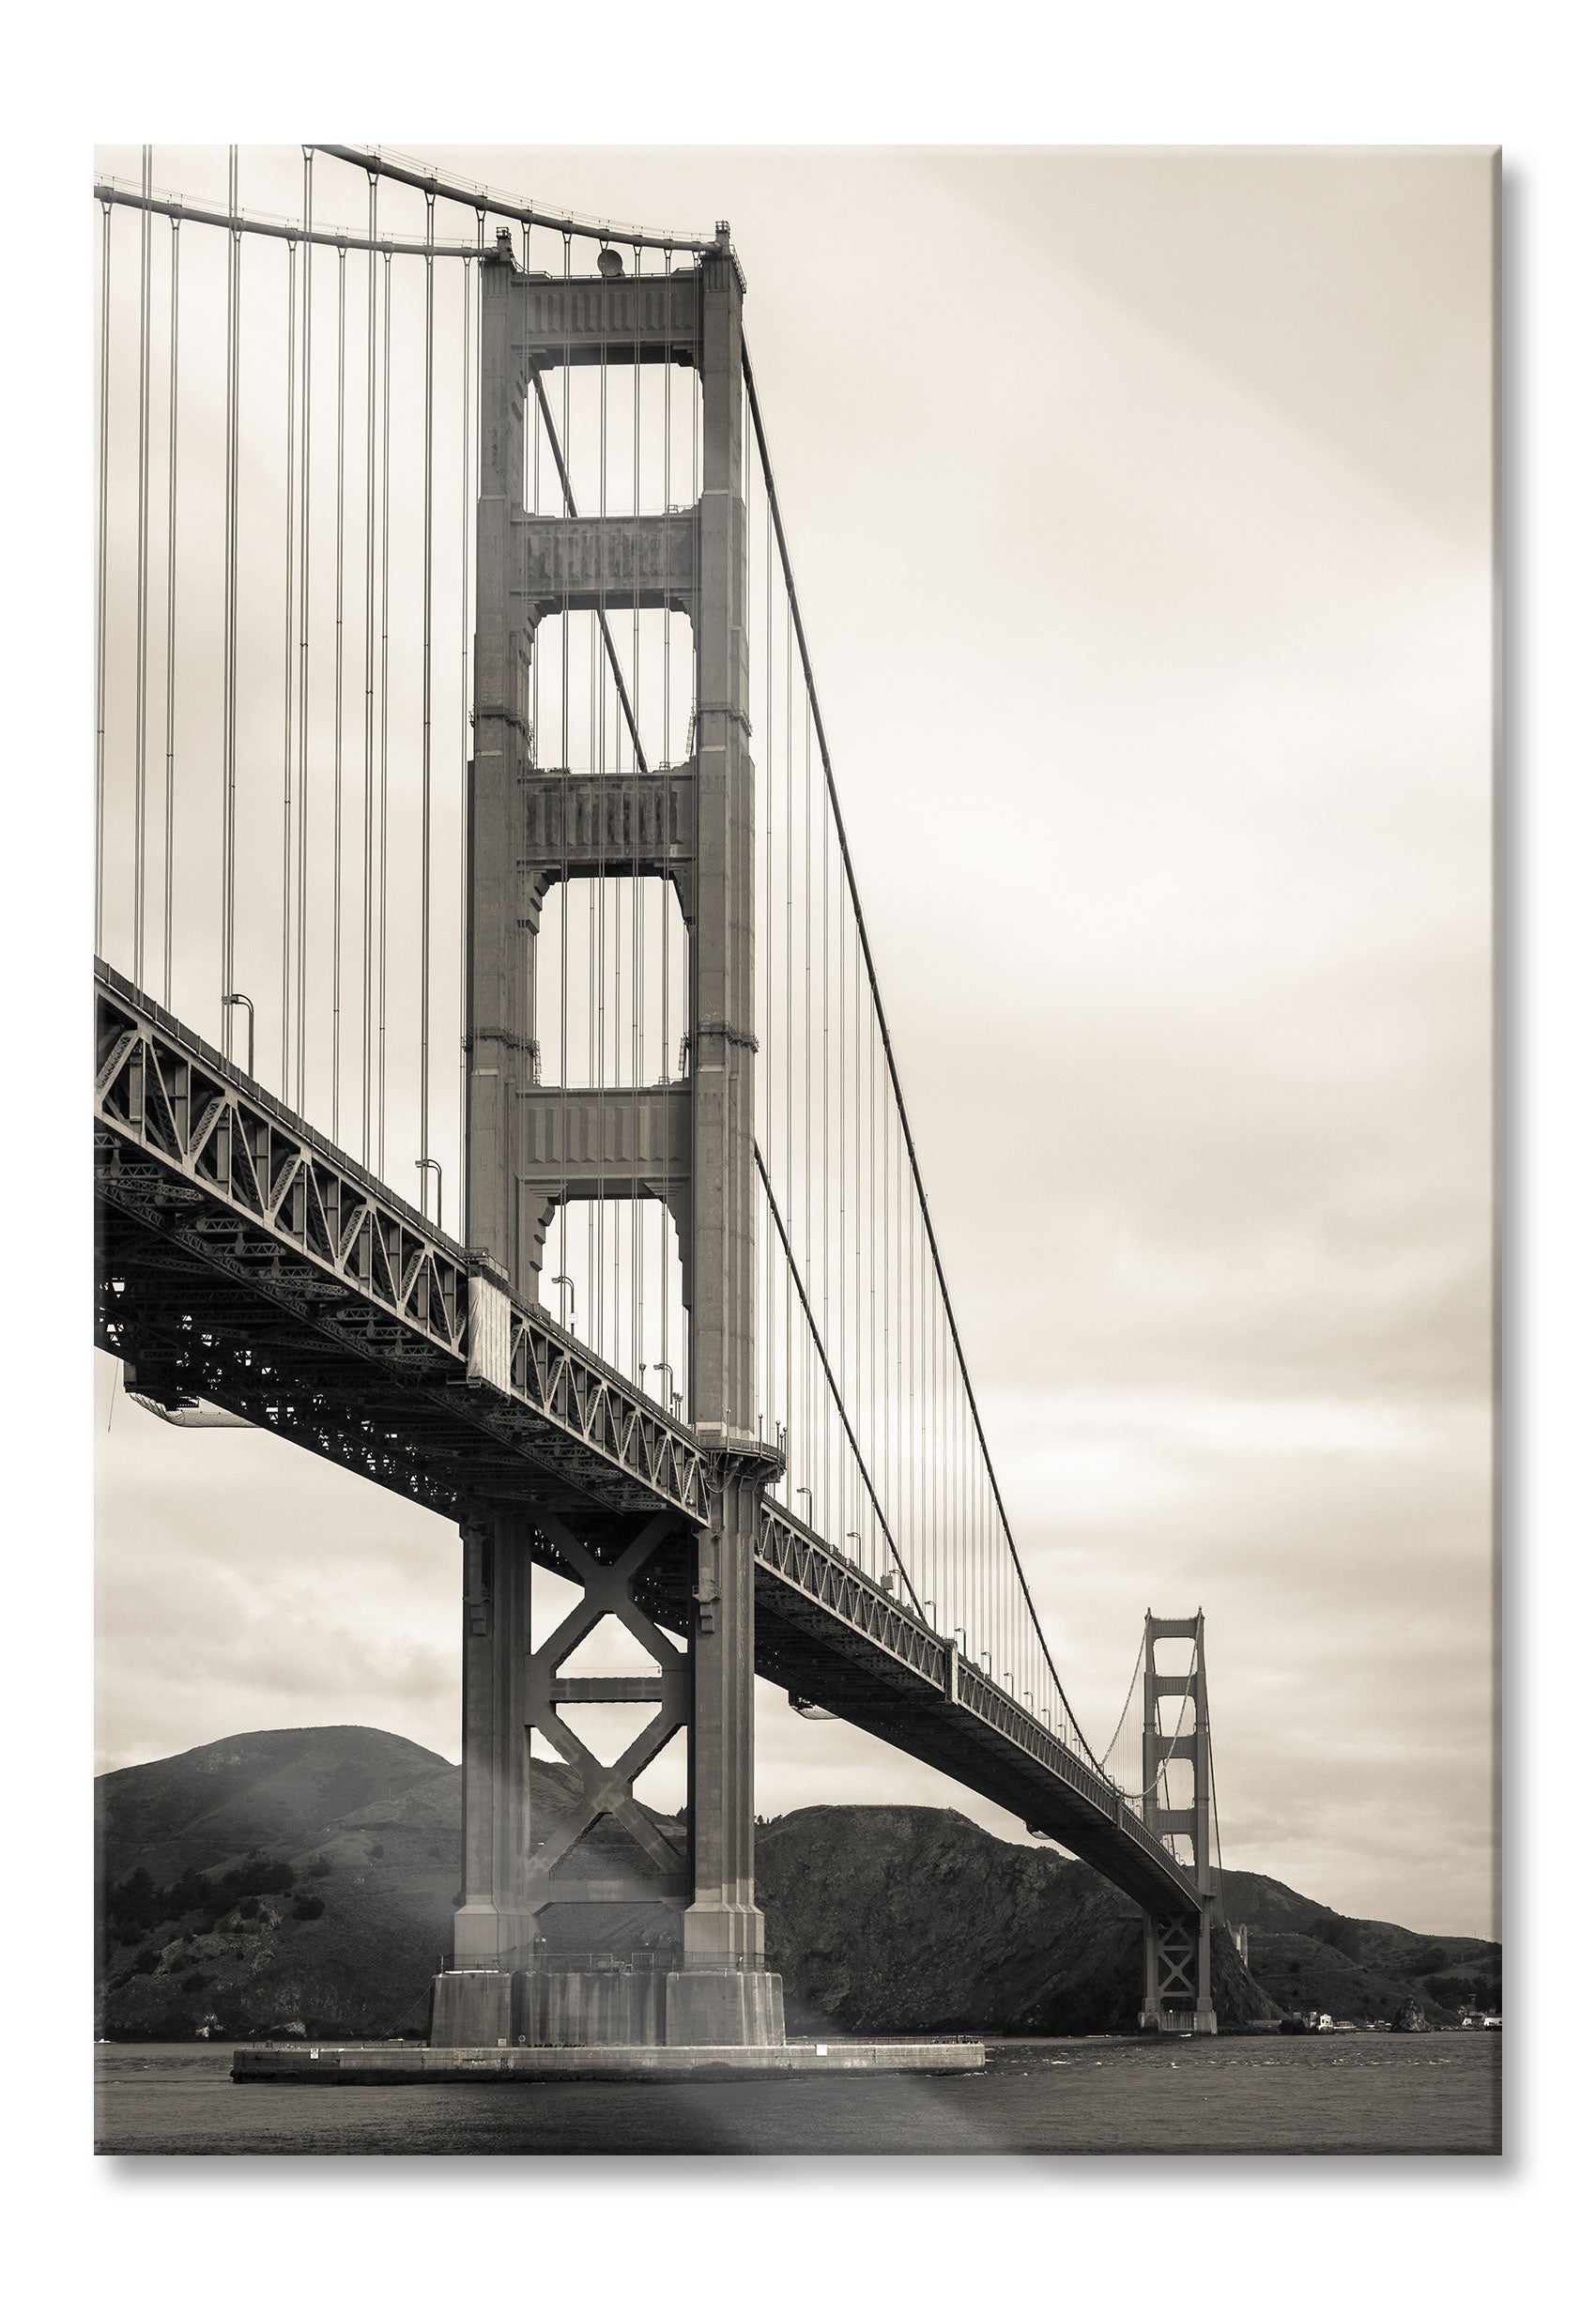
{"points": [[532, 1147], [1177, 1994]]}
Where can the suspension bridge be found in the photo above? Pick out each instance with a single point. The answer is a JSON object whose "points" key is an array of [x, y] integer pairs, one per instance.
{"points": [[493, 1089]]}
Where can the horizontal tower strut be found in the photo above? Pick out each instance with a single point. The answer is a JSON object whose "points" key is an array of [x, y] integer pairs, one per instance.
{"points": [[592, 1142], [644, 561], [648, 317], [590, 826], [587, 1145]]}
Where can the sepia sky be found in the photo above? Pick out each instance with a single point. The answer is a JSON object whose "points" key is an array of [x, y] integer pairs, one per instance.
{"points": [[1141, 510]]}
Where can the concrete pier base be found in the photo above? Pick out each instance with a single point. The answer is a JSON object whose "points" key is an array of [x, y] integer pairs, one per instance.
{"points": [[574, 2008], [724, 2008], [471, 2009], [602, 2063], [620, 2004]]}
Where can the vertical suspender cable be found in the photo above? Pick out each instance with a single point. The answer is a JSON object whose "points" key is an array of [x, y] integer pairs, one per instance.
{"points": [[787, 974], [858, 1200], [140, 683], [599, 915], [469, 288], [873, 1232], [564, 816], [289, 684], [230, 643], [825, 1103], [809, 1384], [303, 925], [426, 711], [689, 990], [382, 755], [768, 941], [665, 887], [338, 697], [104, 556], [171, 624], [367, 888], [638, 1345]]}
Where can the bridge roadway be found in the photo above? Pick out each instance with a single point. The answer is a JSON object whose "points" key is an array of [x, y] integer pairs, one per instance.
{"points": [[242, 1258]]}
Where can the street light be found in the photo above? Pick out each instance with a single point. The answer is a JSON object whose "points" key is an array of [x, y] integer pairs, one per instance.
{"points": [[564, 1281], [809, 1512], [422, 1164], [237, 998], [662, 1365]]}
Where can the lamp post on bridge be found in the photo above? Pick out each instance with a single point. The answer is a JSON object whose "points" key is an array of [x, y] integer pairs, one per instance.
{"points": [[424, 1167], [239, 998]]}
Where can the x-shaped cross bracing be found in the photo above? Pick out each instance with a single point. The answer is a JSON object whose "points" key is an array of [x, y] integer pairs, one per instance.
{"points": [[607, 1590]]}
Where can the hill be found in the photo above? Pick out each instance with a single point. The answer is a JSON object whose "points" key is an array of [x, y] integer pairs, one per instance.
{"points": [[302, 1883], [1311, 1957]]}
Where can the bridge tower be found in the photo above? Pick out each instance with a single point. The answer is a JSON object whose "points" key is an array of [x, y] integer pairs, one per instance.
{"points": [[690, 1144], [1178, 1992]]}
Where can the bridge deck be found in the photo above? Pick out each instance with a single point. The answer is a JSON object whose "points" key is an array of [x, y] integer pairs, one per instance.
{"points": [[243, 1258]]}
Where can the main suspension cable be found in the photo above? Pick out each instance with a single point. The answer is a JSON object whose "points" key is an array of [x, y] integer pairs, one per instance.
{"points": [[885, 1036], [526, 212]]}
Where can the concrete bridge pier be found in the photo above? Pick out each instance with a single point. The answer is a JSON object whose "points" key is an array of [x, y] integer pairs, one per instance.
{"points": [[495, 1925], [723, 1993]]}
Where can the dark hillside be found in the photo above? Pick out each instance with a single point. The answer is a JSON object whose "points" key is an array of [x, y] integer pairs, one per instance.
{"points": [[211, 1803], [907, 1919], [302, 1883], [1312, 1959]]}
